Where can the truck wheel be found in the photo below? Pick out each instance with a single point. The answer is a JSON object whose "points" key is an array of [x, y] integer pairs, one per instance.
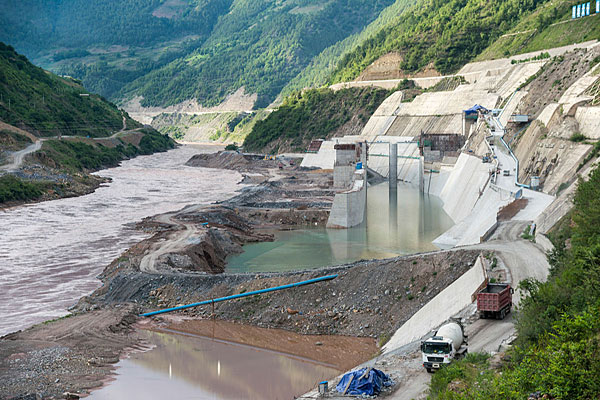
{"points": [[502, 313], [429, 370]]}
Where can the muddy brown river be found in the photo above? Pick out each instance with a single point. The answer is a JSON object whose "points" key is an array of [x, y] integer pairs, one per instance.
{"points": [[51, 252]]}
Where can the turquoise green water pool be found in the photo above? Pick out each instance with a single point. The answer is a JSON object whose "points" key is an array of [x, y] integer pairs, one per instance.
{"points": [[398, 223]]}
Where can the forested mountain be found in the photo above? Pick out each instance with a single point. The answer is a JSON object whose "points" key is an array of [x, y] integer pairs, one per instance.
{"points": [[445, 35], [107, 44], [319, 69], [442, 34], [174, 50], [47, 105], [169, 51]]}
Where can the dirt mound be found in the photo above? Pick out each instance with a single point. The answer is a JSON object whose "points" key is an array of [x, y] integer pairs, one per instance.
{"points": [[510, 210], [231, 160], [368, 299]]}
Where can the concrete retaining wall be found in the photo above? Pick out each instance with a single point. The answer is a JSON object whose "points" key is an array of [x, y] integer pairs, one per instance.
{"points": [[443, 306], [325, 157], [342, 176], [589, 121], [348, 208], [461, 190]]}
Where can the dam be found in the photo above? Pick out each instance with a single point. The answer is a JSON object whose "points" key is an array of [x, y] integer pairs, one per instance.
{"points": [[397, 223]]}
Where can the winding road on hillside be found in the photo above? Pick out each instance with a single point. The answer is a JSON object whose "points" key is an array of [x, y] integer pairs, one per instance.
{"points": [[18, 156]]}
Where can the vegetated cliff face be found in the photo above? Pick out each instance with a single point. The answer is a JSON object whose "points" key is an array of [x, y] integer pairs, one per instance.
{"points": [[314, 114], [47, 105]]}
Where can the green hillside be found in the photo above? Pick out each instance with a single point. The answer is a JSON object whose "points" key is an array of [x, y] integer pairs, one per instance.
{"points": [[91, 129], [549, 26], [319, 69], [442, 34], [203, 49], [314, 114], [47, 105]]}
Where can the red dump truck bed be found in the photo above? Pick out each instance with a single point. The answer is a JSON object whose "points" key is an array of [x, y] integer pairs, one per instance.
{"points": [[494, 300]]}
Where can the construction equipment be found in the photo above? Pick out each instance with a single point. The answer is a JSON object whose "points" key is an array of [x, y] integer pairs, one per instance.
{"points": [[447, 344], [495, 300]]}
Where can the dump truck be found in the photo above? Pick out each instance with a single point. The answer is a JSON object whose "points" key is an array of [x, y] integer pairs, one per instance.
{"points": [[494, 300], [447, 344]]}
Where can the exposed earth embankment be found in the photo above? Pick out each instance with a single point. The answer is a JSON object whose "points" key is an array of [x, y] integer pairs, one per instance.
{"points": [[181, 264]]}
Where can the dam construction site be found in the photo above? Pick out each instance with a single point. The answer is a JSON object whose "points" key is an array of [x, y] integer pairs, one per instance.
{"points": [[353, 254]]}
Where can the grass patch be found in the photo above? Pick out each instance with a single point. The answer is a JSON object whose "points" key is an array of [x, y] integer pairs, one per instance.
{"points": [[383, 339], [591, 154], [526, 235], [562, 187], [16, 189], [459, 375], [577, 137]]}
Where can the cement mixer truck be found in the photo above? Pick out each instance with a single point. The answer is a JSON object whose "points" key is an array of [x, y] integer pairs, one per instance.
{"points": [[447, 344]]}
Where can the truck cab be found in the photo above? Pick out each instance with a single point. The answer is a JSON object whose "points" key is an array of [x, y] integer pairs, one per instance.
{"points": [[436, 352], [447, 343]]}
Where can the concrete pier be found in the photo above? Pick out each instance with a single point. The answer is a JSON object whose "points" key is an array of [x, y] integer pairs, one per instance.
{"points": [[393, 159], [350, 179]]}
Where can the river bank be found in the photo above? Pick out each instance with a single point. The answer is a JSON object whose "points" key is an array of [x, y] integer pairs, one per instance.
{"points": [[52, 252], [369, 299], [62, 167]]}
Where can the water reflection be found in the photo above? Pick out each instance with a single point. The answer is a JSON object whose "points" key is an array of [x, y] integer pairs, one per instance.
{"points": [[204, 368], [401, 221]]}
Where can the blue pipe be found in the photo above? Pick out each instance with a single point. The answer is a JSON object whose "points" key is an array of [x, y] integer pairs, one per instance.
{"points": [[237, 296]]}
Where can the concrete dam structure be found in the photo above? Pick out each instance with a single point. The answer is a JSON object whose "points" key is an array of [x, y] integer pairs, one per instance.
{"points": [[442, 152], [350, 179]]}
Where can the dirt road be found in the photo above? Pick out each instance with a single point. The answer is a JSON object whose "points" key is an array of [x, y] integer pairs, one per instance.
{"points": [[524, 259], [18, 156], [178, 240]]}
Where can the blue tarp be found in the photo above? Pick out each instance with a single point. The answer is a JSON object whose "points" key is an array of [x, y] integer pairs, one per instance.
{"points": [[369, 383], [474, 109]]}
